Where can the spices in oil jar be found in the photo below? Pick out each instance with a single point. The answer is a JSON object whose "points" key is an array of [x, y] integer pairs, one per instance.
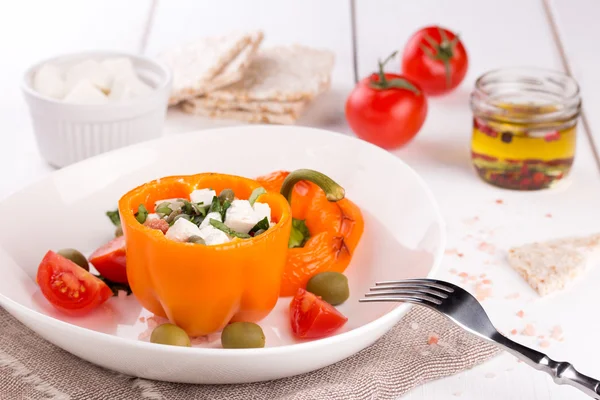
{"points": [[524, 127]]}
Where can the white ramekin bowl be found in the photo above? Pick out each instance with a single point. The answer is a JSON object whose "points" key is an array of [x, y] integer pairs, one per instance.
{"points": [[67, 133]]}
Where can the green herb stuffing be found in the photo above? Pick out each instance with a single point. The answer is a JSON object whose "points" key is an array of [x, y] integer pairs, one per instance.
{"points": [[222, 227], [142, 214], [215, 206], [261, 225], [224, 207], [255, 193], [299, 234], [114, 217]]}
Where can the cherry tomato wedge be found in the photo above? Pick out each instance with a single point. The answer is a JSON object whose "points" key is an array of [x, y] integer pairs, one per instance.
{"points": [[313, 318], [110, 260], [68, 287]]}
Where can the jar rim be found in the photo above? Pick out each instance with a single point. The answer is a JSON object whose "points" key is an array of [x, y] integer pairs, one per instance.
{"points": [[514, 85]]}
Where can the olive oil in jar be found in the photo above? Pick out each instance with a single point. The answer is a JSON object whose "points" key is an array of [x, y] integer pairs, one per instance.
{"points": [[524, 128]]}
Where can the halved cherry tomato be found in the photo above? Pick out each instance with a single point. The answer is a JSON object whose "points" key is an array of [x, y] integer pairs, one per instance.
{"points": [[110, 260], [313, 318], [68, 287]]}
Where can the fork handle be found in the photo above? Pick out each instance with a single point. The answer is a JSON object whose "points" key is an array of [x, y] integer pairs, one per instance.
{"points": [[562, 372]]}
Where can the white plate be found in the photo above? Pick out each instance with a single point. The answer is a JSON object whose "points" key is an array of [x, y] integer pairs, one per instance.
{"points": [[404, 237]]}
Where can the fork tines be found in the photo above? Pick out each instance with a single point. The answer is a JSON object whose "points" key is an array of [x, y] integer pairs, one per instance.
{"points": [[418, 291]]}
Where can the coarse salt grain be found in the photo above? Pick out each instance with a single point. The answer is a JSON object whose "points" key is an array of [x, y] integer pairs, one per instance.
{"points": [[556, 333], [433, 339], [520, 314], [514, 332], [482, 292], [529, 330], [544, 343], [499, 201], [487, 248], [486, 282], [463, 275], [548, 215], [142, 319]]}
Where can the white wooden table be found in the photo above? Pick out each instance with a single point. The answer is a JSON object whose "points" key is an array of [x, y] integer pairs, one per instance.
{"points": [[496, 34]]}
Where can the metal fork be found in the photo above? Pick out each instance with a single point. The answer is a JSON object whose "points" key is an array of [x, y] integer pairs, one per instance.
{"points": [[464, 310]]}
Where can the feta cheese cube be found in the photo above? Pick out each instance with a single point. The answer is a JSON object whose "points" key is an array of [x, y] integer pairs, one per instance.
{"points": [[181, 230], [91, 71], [203, 196], [262, 210], [49, 82], [127, 87], [152, 217], [240, 216], [119, 66], [86, 93], [209, 216], [212, 235]]}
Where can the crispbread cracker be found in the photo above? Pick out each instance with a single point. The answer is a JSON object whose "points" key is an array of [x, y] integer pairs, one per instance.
{"points": [[294, 108], [240, 115], [282, 73], [234, 71], [196, 63], [550, 266]]}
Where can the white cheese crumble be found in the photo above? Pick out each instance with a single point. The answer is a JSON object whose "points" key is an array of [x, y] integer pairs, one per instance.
{"points": [[209, 216], [212, 235], [203, 196], [240, 216], [181, 230]]}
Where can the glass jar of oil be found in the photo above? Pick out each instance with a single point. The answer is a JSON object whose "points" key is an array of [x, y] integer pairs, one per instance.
{"points": [[524, 127]]}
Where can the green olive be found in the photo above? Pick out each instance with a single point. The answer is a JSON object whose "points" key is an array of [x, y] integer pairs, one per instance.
{"points": [[170, 334], [196, 239], [76, 257], [242, 335], [331, 286], [119, 232], [226, 195]]}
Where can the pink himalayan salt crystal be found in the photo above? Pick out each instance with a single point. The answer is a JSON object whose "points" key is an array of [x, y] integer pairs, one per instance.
{"points": [[544, 343], [548, 215], [482, 276], [556, 333], [142, 319], [487, 248], [453, 271], [463, 275], [482, 292], [472, 278], [541, 336], [513, 332], [486, 281], [499, 201], [433, 339], [152, 322], [512, 296], [529, 330], [451, 252], [520, 313]]}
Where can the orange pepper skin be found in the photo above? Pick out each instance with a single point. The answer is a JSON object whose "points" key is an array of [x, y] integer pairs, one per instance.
{"points": [[335, 229], [202, 288]]}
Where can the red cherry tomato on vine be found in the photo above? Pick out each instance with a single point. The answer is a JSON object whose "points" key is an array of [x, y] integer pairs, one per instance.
{"points": [[386, 109], [436, 59]]}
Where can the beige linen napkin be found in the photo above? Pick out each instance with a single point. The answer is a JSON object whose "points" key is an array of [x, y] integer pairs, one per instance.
{"points": [[32, 368]]}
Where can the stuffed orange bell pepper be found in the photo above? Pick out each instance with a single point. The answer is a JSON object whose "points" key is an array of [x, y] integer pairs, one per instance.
{"points": [[326, 226], [201, 288]]}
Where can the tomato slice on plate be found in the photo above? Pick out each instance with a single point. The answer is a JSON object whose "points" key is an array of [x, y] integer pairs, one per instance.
{"points": [[110, 260], [313, 318], [68, 287]]}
